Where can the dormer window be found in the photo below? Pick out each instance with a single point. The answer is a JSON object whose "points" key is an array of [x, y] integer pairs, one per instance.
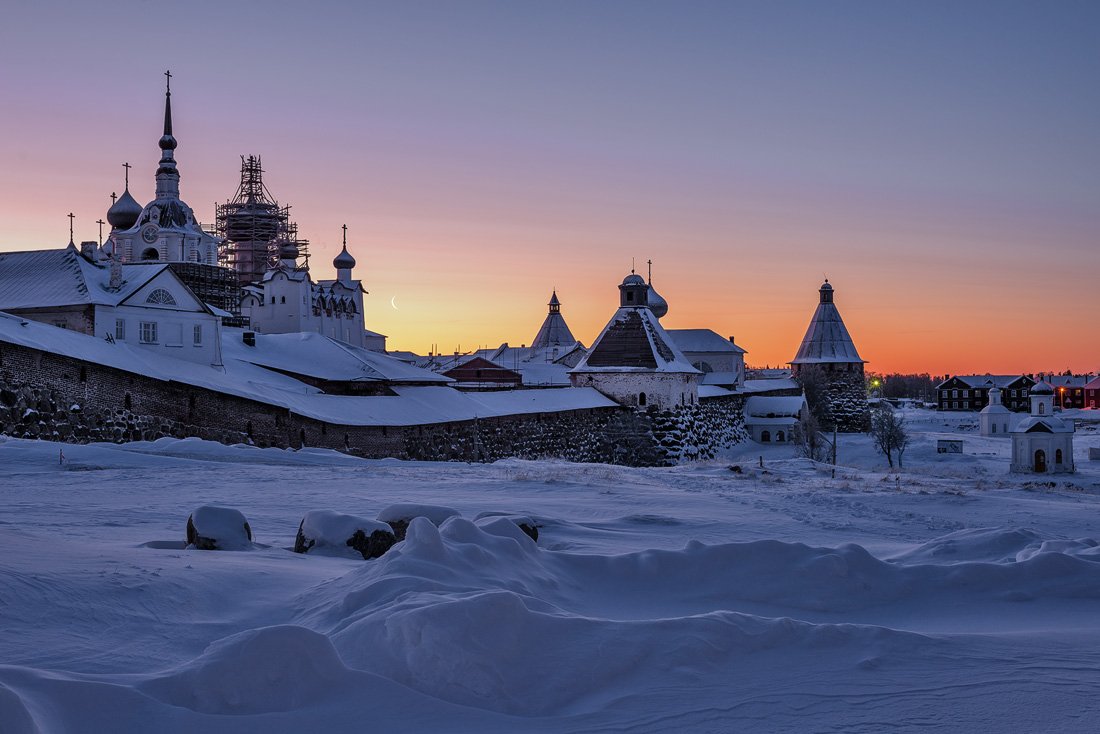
{"points": [[161, 297]]}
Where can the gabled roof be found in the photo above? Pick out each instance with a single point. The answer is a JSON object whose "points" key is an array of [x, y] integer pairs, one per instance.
{"points": [[984, 381], [1045, 424], [52, 278], [702, 340], [1068, 380], [634, 341]]}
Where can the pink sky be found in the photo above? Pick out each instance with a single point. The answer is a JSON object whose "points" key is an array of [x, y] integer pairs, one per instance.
{"points": [[939, 163]]}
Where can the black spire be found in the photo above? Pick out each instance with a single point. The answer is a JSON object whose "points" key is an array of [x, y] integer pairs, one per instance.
{"points": [[167, 142]]}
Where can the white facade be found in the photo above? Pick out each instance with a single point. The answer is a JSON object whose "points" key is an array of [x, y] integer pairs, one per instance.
{"points": [[1042, 443], [287, 300], [995, 420], [772, 419], [662, 390]]}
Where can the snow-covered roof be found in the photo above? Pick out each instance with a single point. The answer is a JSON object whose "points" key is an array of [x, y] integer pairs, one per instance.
{"points": [[702, 340], [410, 406], [554, 331], [1068, 381], [1047, 424], [63, 277], [719, 378], [827, 339], [634, 341], [714, 391], [321, 357], [781, 383], [976, 381], [767, 406]]}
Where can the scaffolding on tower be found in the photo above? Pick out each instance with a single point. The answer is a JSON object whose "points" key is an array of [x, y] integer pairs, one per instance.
{"points": [[253, 225]]}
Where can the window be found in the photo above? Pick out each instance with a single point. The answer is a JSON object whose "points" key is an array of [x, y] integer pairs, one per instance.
{"points": [[955, 405], [765, 437], [161, 297], [1013, 392], [966, 393], [954, 393], [1042, 409], [282, 299], [641, 398], [779, 437], [120, 329], [994, 427], [148, 332], [1058, 456], [198, 335], [273, 299], [966, 404]]}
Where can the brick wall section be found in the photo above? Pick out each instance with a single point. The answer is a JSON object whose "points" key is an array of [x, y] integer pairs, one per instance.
{"points": [[48, 396]]}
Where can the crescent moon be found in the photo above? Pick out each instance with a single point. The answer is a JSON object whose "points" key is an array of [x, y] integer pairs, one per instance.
{"points": [[393, 303]]}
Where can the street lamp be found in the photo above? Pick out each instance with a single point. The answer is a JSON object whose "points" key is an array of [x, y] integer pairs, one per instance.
{"points": [[1062, 398]]}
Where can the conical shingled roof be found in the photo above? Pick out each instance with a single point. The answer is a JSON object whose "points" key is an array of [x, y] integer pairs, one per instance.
{"points": [[827, 339], [554, 332]]}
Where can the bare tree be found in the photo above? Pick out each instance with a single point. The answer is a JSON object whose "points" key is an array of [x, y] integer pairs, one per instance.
{"points": [[889, 434], [810, 440]]}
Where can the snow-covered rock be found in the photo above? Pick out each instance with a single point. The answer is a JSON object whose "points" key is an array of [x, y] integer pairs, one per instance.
{"points": [[400, 515], [529, 527], [218, 528], [339, 534]]}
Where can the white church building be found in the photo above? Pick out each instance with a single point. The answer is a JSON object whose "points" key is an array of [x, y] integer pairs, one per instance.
{"points": [[1042, 443]]}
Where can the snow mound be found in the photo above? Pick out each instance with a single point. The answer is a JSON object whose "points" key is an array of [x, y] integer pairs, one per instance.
{"points": [[408, 510], [995, 545], [263, 670], [14, 716]]}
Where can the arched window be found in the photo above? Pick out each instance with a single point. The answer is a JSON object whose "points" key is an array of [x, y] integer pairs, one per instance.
{"points": [[1058, 456], [641, 398], [150, 253], [765, 437], [994, 428], [1042, 408], [779, 437], [161, 297]]}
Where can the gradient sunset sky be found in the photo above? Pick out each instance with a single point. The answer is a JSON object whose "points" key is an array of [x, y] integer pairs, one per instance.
{"points": [[939, 161]]}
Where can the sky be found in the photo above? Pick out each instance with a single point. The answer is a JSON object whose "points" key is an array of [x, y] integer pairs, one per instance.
{"points": [[937, 161]]}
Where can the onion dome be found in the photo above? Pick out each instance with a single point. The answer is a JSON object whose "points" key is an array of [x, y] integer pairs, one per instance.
{"points": [[657, 304], [1043, 388], [124, 213], [633, 279], [288, 250], [343, 261]]}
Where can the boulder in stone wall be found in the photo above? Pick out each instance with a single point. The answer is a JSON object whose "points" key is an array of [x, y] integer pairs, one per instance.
{"points": [[400, 515], [218, 528], [331, 532]]}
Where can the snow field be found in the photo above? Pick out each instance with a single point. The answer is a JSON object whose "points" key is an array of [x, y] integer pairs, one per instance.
{"points": [[946, 596]]}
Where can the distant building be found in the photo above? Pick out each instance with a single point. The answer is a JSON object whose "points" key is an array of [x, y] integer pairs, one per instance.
{"points": [[288, 300], [995, 419], [828, 350], [720, 360], [1069, 390], [479, 373], [1042, 443], [971, 392], [634, 361], [1092, 393], [773, 419]]}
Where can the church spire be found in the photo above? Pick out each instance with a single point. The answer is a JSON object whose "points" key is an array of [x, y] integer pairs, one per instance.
{"points": [[168, 177]]}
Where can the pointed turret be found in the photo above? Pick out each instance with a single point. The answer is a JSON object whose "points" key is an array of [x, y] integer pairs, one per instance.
{"points": [[828, 350], [168, 177], [554, 332]]}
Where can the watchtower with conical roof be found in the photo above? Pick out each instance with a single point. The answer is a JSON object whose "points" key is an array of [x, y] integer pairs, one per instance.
{"points": [[828, 360], [554, 332]]}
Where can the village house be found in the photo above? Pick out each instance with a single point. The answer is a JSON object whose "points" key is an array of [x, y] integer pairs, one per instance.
{"points": [[971, 392]]}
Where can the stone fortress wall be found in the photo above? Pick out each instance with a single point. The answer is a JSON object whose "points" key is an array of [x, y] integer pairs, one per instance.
{"points": [[57, 398]]}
